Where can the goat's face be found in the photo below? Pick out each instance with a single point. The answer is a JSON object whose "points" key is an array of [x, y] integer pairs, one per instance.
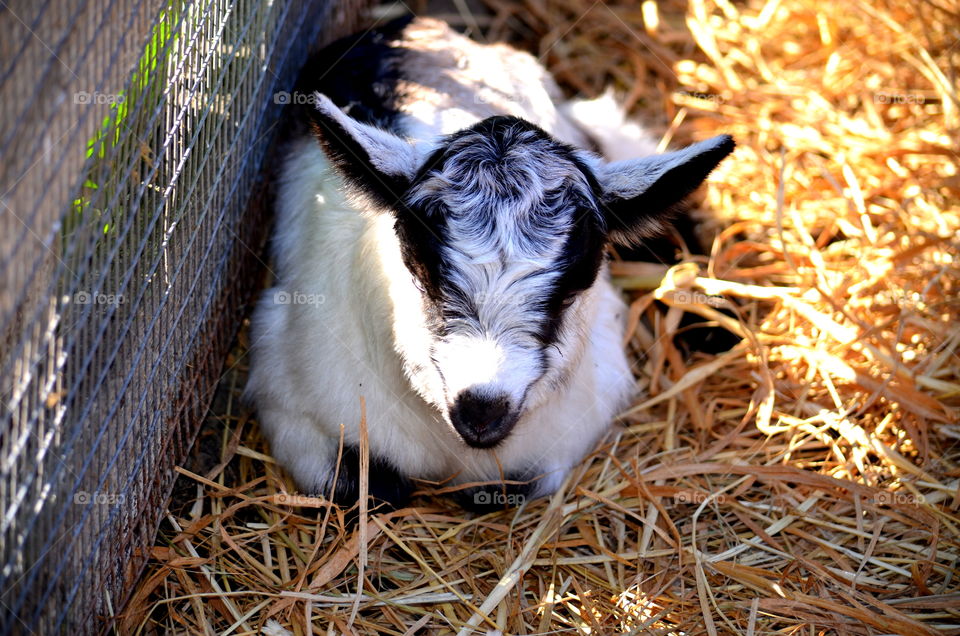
{"points": [[502, 231]]}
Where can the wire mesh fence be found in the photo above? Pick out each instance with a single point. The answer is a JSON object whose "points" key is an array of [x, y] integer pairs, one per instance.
{"points": [[132, 135]]}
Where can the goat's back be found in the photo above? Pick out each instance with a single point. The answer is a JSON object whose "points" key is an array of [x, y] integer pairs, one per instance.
{"points": [[419, 78]]}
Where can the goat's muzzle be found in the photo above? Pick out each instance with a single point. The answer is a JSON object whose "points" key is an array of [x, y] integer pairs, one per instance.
{"points": [[483, 420]]}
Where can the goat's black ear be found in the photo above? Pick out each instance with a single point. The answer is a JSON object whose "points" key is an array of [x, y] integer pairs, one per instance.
{"points": [[376, 163], [640, 195]]}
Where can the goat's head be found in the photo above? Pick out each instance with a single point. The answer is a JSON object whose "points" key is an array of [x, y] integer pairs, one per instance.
{"points": [[502, 231]]}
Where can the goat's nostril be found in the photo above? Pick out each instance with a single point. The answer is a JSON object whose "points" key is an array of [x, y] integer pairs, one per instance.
{"points": [[482, 420]]}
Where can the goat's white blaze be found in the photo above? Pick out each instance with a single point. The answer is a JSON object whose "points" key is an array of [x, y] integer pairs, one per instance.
{"points": [[470, 362]]}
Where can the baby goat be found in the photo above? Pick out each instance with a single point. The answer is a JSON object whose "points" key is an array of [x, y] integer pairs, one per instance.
{"points": [[441, 252]]}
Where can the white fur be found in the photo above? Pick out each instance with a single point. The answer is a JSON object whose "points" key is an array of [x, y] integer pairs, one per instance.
{"points": [[488, 79], [618, 136]]}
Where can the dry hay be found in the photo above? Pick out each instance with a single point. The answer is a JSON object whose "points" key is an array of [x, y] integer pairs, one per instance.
{"points": [[808, 481]]}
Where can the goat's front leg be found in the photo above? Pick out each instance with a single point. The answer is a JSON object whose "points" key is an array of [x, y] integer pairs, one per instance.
{"points": [[314, 459]]}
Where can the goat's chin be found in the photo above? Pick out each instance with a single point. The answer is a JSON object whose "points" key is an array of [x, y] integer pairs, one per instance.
{"points": [[484, 444]]}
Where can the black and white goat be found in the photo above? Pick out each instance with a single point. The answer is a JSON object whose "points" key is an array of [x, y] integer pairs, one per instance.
{"points": [[441, 253]]}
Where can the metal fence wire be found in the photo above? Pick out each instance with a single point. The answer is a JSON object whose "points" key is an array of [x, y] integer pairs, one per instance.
{"points": [[132, 134]]}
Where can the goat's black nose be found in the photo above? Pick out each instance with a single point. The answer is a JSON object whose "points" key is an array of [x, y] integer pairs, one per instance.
{"points": [[482, 420]]}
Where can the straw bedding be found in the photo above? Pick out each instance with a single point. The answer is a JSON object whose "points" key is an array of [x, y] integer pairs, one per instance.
{"points": [[806, 481]]}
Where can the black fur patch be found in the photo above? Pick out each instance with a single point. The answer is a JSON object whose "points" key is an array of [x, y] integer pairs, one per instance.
{"points": [[422, 235], [583, 256], [359, 73], [385, 483]]}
